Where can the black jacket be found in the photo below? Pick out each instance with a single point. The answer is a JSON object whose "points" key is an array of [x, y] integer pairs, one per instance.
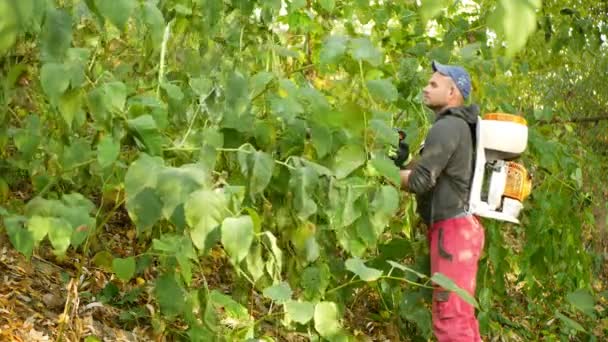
{"points": [[441, 178]]}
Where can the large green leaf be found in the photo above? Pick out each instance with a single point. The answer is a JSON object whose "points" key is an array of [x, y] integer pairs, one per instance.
{"points": [[300, 312], [357, 266], [116, 11], [56, 35], [583, 301], [303, 182], [333, 49], [259, 82], [124, 268], [39, 226], [224, 314], [572, 324], [382, 90], [348, 159], [262, 165], [53, 80], [516, 19], [142, 201], [280, 293], [170, 295], [21, 238], [327, 321], [108, 150], [431, 8], [174, 186], [205, 210], [13, 16], [70, 105], [60, 235], [155, 21], [449, 285], [237, 236], [387, 168], [146, 132], [315, 280], [362, 49]]}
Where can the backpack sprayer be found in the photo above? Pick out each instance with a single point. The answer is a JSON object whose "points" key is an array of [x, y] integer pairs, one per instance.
{"points": [[499, 184]]}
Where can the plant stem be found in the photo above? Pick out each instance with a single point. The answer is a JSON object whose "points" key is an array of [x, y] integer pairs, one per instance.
{"points": [[163, 52]]}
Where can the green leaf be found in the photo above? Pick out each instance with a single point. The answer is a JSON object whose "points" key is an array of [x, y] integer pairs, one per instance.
{"points": [[13, 16], [254, 262], [262, 165], [107, 151], [143, 173], [173, 91], [384, 133], [221, 311], [237, 92], [155, 21], [328, 5], [431, 8], [116, 95], [175, 185], [448, 284], [384, 207], [362, 49], [21, 238], [300, 312], [270, 241], [60, 235], [303, 183], [572, 324], [280, 293], [333, 49], [116, 11], [315, 280], [357, 266], [321, 139], [407, 269], [382, 90], [53, 80], [70, 106], [145, 209], [56, 36], [259, 82], [387, 168], [583, 301], [202, 86], [348, 159], [237, 236], [516, 20], [147, 133], [205, 210], [170, 295], [124, 268], [103, 260], [327, 321], [39, 227]]}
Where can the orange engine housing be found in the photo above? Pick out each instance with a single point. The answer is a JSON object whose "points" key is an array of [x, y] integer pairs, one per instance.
{"points": [[519, 182]]}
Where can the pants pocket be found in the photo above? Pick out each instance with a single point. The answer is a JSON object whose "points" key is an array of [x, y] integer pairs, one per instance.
{"points": [[444, 304], [441, 246]]}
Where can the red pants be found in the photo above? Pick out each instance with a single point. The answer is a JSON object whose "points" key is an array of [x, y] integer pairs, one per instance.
{"points": [[455, 245]]}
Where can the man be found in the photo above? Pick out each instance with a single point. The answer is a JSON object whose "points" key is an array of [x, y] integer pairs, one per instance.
{"points": [[441, 180]]}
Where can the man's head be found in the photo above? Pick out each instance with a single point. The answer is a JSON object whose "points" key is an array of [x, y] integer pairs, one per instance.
{"points": [[449, 86]]}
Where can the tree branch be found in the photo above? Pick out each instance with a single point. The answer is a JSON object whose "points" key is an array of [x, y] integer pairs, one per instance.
{"points": [[574, 120]]}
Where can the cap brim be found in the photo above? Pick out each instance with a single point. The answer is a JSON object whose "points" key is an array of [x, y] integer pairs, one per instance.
{"points": [[438, 67]]}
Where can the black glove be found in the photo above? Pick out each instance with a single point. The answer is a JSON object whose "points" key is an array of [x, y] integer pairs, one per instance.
{"points": [[403, 151]]}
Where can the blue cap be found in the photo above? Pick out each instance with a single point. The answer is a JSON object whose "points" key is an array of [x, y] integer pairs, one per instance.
{"points": [[457, 73]]}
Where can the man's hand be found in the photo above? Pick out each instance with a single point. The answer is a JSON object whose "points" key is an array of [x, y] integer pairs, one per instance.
{"points": [[405, 177]]}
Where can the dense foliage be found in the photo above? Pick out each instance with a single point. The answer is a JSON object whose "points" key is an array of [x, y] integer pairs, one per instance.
{"points": [[255, 133]]}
